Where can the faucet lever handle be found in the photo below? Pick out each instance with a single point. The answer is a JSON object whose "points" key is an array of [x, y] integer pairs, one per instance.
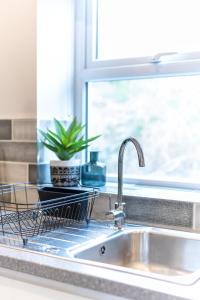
{"points": [[123, 204], [120, 206], [116, 205]]}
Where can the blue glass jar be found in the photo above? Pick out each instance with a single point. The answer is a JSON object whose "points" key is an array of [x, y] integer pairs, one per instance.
{"points": [[93, 174]]}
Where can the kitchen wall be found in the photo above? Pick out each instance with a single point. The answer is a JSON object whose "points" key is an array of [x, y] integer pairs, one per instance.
{"points": [[18, 112], [18, 59], [33, 91], [55, 58], [55, 69]]}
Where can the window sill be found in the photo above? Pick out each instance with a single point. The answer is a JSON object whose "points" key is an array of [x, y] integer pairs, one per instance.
{"points": [[165, 193]]}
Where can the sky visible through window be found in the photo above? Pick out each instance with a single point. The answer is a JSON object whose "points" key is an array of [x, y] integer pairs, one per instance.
{"points": [[133, 28], [162, 113]]}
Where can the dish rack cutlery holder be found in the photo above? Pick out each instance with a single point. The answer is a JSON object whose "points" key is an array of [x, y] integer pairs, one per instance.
{"points": [[28, 210]]}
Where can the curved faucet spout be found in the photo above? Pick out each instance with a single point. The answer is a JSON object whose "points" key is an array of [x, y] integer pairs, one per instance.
{"points": [[120, 163]]}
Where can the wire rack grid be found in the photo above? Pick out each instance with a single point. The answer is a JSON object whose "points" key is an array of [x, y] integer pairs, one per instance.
{"points": [[28, 210]]}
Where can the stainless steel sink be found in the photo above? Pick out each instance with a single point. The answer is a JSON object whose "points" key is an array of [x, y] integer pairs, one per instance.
{"points": [[150, 251], [163, 254]]}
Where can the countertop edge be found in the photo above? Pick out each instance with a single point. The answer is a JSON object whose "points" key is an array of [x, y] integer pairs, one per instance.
{"points": [[83, 275]]}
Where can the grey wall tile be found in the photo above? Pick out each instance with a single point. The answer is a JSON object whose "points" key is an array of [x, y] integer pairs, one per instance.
{"points": [[196, 216], [150, 211], [24, 129], [39, 173], [32, 173], [5, 130], [13, 172], [21, 195], [18, 151], [176, 213], [25, 196]]}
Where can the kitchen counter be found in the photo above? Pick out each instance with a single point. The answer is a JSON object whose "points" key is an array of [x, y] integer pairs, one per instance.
{"points": [[48, 257]]}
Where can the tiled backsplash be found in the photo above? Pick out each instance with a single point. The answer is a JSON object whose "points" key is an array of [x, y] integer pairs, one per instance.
{"points": [[18, 150], [5, 129], [174, 214]]}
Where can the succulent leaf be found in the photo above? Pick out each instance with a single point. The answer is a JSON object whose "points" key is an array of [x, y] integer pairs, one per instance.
{"points": [[66, 142]]}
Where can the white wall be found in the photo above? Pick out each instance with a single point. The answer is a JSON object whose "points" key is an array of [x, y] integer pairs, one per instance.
{"points": [[17, 59], [19, 290], [53, 20], [55, 58]]}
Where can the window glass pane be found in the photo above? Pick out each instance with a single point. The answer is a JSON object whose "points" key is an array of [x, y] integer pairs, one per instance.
{"points": [[162, 113], [133, 28]]}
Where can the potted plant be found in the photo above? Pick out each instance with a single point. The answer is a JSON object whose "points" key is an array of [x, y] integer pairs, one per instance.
{"points": [[65, 142]]}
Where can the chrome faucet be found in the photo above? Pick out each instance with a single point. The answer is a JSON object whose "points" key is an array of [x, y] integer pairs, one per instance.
{"points": [[118, 214], [120, 163]]}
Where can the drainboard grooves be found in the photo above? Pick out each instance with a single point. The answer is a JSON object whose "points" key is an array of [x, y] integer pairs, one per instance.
{"points": [[69, 234], [81, 230], [59, 241], [49, 238]]}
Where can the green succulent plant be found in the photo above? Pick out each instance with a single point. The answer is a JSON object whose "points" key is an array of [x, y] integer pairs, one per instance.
{"points": [[66, 142]]}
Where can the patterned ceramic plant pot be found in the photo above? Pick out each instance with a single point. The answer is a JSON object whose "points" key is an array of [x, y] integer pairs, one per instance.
{"points": [[65, 173]]}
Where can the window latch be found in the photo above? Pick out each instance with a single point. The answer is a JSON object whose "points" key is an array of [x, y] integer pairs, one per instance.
{"points": [[157, 58]]}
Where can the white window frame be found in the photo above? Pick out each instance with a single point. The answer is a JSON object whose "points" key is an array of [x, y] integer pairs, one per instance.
{"points": [[88, 68]]}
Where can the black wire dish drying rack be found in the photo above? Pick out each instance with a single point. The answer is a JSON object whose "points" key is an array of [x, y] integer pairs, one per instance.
{"points": [[28, 210]]}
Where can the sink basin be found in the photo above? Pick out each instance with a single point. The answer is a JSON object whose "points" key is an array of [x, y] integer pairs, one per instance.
{"points": [[171, 254]]}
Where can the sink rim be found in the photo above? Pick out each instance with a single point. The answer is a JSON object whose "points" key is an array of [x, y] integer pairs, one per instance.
{"points": [[186, 280]]}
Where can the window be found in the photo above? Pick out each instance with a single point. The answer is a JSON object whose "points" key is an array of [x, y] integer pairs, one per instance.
{"points": [[139, 75], [162, 113], [134, 28]]}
